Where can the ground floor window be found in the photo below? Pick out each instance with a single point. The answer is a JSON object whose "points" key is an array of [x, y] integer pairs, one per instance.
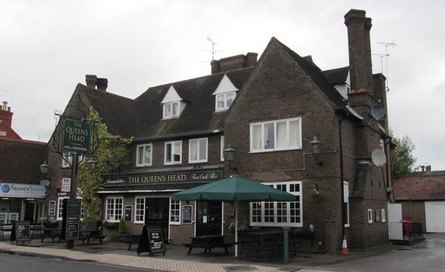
{"points": [[139, 211], [175, 212], [279, 213], [346, 204], [114, 208], [60, 207]]}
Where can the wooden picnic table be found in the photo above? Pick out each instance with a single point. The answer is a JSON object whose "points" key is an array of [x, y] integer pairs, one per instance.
{"points": [[208, 242]]}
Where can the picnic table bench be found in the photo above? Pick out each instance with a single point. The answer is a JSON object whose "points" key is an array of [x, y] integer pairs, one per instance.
{"points": [[92, 230], [208, 242], [133, 239], [51, 233]]}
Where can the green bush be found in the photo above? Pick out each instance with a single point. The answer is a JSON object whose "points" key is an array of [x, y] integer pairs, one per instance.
{"points": [[122, 226]]}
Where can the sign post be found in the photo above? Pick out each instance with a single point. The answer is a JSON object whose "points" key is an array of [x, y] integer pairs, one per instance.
{"points": [[76, 140]]}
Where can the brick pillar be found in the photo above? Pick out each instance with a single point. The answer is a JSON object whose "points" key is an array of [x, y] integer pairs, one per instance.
{"points": [[331, 235]]}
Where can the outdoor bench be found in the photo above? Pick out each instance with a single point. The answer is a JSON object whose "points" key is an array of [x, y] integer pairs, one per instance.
{"points": [[133, 239], [92, 230], [208, 242]]}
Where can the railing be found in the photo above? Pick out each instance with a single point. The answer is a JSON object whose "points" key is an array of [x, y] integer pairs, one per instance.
{"points": [[404, 230]]}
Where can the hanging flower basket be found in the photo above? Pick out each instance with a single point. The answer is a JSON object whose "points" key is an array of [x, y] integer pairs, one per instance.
{"points": [[315, 194]]}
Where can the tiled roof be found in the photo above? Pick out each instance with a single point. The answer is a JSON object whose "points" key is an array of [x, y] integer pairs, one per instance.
{"points": [[337, 76], [425, 187], [20, 161]]}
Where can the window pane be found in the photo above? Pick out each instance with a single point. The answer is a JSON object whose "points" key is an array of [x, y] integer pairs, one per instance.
{"points": [[230, 98], [203, 149], [294, 134], [269, 137], [177, 152], [281, 135], [256, 137], [220, 101], [193, 150]]}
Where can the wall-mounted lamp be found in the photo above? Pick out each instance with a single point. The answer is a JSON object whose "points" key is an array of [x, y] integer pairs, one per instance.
{"points": [[91, 163], [229, 155], [44, 170], [316, 146]]}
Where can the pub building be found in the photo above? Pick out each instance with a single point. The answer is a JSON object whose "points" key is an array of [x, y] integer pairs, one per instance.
{"points": [[290, 125]]}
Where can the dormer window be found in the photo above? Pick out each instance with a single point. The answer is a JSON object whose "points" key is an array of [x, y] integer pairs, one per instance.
{"points": [[171, 110], [224, 94], [172, 104]]}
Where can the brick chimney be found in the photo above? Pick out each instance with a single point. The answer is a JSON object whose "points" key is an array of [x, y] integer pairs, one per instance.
{"points": [[6, 114], [233, 63], [359, 50], [92, 81]]}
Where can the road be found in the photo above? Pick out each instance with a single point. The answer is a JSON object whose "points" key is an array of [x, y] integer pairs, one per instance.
{"points": [[427, 256]]}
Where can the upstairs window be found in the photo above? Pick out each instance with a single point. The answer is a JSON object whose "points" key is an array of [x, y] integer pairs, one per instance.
{"points": [[171, 110], [173, 152], [198, 150], [224, 94], [172, 104], [276, 135], [144, 155]]}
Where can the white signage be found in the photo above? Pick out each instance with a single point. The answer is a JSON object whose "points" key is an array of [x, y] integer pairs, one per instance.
{"points": [[22, 190], [66, 185]]}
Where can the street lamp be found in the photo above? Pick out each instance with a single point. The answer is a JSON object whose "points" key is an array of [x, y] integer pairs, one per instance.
{"points": [[44, 168]]}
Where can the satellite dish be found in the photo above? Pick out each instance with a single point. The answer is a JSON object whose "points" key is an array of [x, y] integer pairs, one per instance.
{"points": [[378, 157], [377, 112], [44, 182]]}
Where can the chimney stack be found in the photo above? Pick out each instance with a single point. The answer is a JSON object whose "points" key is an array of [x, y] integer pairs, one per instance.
{"points": [[233, 63], [6, 114], [93, 82], [360, 62]]}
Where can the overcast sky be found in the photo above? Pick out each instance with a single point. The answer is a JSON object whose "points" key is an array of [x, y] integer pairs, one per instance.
{"points": [[47, 48]]}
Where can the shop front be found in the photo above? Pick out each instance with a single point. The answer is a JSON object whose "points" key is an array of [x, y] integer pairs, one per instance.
{"points": [[21, 202], [144, 199]]}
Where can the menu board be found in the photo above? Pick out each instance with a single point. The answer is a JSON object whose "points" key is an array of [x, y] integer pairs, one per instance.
{"points": [[151, 241], [73, 219], [22, 231]]}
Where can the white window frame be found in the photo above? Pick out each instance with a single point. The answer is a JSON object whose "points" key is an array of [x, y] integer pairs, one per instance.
{"points": [[141, 158], [175, 212], [290, 139], [279, 213], [346, 202], [370, 215], [67, 159], [171, 110], [172, 154], [383, 216], [139, 209], [222, 148], [226, 99], [59, 211], [195, 150], [114, 213]]}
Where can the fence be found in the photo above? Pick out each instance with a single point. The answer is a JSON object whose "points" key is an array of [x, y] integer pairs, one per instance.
{"points": [[404, 230]]}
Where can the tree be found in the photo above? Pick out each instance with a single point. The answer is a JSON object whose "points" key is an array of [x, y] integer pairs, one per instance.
{"points": [[110, 153], [402, 159]]}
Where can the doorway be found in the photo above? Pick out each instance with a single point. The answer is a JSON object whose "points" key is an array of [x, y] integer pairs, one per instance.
{"points": [[209, 218], [156, 214]]}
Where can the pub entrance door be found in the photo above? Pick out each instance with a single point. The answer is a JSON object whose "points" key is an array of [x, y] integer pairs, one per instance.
{"points": [[156, 214], [209, 218]]}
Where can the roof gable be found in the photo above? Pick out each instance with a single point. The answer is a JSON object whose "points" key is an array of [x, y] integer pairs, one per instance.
{"points": [[171, 96], [225, 86]]}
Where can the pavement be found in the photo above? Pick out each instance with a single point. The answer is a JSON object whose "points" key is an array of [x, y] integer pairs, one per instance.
{"points": [[176, 258]]}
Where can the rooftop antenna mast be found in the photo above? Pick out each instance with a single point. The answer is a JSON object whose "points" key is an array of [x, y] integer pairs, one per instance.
{"points": [[213, 47], [386, 56]]}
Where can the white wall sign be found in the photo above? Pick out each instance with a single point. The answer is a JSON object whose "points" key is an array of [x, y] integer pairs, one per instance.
{"points": [[66, 185], [22, 190]]}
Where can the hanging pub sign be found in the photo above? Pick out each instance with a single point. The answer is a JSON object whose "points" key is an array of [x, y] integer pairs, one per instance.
{"points": [[76, 136]]}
